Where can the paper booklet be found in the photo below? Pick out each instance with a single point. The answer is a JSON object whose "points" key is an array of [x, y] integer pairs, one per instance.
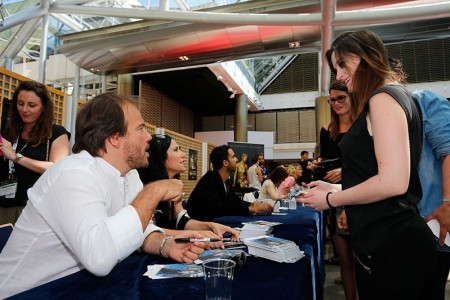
{"points": [[256, 228], [273, 248], [174, 271]]}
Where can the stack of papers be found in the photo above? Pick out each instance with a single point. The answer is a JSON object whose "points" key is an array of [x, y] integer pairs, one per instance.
{"points": [[256, 228], [273, 248], [174, 271]]}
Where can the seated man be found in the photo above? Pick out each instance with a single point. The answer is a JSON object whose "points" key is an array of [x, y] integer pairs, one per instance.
{"points": [[213, 197], [90, 210]]}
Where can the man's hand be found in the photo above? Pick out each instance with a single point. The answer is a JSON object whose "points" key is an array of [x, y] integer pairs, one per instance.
{"points": [[258, 208], [147, 200], [165, 190], [442, 215], [185, 252]]}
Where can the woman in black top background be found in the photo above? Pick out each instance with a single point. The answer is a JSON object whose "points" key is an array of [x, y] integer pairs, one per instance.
{"points": [[31, 144]]}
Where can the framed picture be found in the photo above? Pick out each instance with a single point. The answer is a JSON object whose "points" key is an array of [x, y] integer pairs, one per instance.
{"points": [[244, 152], [193, 155]]}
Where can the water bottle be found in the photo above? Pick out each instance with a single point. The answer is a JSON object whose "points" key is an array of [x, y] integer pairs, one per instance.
{"points": [[291, 194], [292, 204]]}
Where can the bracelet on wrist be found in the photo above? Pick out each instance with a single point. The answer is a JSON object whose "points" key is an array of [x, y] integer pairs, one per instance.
{"points": [[161, 246], [445, 199], [328, 199]]}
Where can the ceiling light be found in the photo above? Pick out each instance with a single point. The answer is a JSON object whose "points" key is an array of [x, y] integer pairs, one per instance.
{"points": [[294, 44], [219, 77], [184, 58], [232, 95]]}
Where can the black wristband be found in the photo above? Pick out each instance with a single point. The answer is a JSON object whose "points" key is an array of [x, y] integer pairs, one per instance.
{"points": [[328, 200]]}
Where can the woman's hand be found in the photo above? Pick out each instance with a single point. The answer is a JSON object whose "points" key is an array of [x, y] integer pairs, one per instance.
{"points": [[316, 196], [333, 176], [220, 230], [7, 149], [341, 221]]}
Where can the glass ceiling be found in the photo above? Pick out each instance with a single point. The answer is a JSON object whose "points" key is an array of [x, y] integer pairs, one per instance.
{"points": [[29, 46]]}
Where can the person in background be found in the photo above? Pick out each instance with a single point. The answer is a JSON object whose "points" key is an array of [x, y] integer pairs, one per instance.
{"points": [[168, 161], [304, 156], [434, 172], [263, 166], [294, 173], [341, 102], [213, 197], [255, 175], [269, 189], [395, 251], [90, 210], [31, 144]]}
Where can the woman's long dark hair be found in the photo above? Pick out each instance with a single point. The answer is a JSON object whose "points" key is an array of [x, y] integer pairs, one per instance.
{"points": [[42, 130], [278, 175], [373, 69], [156, 170]]}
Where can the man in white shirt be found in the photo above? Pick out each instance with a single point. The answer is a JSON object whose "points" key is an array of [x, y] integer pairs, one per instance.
{"points": [[90, 210]]}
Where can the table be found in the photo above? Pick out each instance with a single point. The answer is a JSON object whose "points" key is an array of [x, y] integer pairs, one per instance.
{"points": [[260, 278], [304, 226]]}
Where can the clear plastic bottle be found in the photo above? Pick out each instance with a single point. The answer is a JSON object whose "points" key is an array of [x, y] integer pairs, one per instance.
{"points": [[292, 204]]}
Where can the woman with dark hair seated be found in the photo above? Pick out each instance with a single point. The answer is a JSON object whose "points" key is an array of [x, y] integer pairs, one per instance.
{"points": [[167, 161]]}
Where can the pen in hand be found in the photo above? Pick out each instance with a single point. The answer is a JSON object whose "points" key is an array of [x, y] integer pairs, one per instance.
{"points": [[205, 240]]}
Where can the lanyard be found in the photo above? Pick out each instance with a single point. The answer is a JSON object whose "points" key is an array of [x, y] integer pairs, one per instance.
{"points": [[11, 163]]}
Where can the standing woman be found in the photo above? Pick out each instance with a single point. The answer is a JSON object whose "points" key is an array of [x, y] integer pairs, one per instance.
{"points": [[167, 161], [395, 250], [31, 144], [341, 103]]}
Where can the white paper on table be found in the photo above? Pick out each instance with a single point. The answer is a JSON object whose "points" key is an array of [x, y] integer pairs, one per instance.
{"points": [[435, 227]]}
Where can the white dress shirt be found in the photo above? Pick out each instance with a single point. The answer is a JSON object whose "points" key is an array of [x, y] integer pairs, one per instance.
{"points": [[78, 216]]}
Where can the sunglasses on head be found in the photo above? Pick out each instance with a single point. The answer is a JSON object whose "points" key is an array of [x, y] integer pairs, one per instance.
{"points": [[339, 99]]}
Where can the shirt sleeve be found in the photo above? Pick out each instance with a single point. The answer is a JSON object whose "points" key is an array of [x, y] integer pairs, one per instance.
{"points": [[436, 121], [79, 208]]}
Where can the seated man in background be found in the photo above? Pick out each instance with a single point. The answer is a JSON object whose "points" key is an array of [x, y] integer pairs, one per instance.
{"points": [[213, 197], [90, 210]]}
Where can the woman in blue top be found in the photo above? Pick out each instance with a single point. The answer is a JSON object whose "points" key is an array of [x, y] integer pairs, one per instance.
{"points": [[395, 250]]}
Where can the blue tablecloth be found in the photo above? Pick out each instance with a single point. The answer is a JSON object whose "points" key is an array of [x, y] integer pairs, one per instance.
{"points": [[260, 278], [304, 226]]}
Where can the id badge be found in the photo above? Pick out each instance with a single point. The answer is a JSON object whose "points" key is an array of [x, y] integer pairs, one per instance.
{"points": [[8, 188]]}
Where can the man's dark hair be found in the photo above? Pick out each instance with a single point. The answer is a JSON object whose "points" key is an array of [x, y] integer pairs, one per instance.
{"points": [[303, 152], [98, 119], [218, 155]]}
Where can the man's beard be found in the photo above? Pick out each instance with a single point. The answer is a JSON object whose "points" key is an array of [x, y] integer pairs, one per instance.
{"points": [[135, 159]]}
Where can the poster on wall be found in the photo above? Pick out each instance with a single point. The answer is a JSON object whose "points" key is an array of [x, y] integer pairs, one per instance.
{"points": [[192, 164], [244, 153]]}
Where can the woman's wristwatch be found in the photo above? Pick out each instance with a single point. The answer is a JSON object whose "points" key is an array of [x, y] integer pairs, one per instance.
{"points": [[18, 157]]}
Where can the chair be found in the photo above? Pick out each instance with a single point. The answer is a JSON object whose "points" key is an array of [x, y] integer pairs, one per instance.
{"points": [[5, 232]]}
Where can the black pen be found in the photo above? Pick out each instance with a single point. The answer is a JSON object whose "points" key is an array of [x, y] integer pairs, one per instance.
{"points": [[202, 240]]}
